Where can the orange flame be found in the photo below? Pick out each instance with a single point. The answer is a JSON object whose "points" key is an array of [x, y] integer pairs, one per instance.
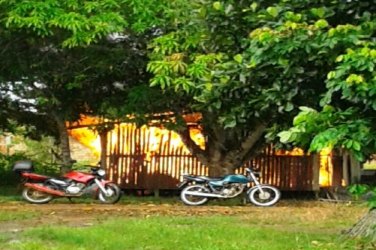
{"points": [[158, 138], [326, 164], [326, 167]]}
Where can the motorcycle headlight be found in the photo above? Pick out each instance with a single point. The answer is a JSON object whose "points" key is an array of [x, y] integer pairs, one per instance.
{"points": [[101, 172]]}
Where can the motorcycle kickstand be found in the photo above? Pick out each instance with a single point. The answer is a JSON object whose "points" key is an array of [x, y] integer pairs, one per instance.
{"points": [[244, 199]]}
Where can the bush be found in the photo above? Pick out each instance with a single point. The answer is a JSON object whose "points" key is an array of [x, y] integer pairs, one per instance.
{"points": [[8, 177], [365, 192]]}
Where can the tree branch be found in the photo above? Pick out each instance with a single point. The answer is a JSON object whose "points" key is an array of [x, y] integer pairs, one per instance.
{"points": [[192, 146]]}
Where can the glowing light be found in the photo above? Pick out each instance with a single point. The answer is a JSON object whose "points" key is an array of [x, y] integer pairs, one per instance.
{"points": [[326, 167], [326, 164], [87, 138], [158, 139]]}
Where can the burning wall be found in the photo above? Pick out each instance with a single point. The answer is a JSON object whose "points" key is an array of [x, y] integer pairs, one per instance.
{"points": [[148, 142]]}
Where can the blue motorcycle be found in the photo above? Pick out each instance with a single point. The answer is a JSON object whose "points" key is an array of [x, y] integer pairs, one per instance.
{"points": [[197, 190]]}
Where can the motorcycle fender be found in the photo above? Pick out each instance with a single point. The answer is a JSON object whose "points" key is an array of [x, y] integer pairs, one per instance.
{"points": [[255, 187], [34, 177], [96, 188], [104, 183]]}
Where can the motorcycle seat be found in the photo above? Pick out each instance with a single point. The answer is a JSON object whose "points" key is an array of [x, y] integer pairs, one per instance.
{"points": [[201, 178], [207, 178]]}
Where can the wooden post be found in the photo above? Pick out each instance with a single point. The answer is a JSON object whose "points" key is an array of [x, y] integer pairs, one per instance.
{"points": [[103, 141], [316, 172], [345, 168], [355, 170]]}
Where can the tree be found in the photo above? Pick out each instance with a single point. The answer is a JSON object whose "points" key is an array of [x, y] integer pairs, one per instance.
{"points": [[346, 119], [248, 66], [61, 59]]}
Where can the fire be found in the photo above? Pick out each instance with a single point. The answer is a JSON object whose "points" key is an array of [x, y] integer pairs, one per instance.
{"points": [[326, 167], [88, 138], [158, 138], [326, 164]]}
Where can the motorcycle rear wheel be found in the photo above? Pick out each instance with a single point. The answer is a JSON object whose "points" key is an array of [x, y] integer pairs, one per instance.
{"points": [[36, 197], [192, 200], [114, 194], [267, 198]]}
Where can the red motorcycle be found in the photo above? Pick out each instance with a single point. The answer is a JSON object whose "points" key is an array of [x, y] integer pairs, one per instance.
{"points": [[39, 189]]}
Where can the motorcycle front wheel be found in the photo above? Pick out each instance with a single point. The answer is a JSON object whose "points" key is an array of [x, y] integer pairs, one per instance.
{"points": [[194, 200], [113, 194], [35, 196], [265, 198]]}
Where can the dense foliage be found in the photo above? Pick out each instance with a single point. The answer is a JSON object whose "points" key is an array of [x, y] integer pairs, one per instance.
{"points": [[62, 59], [347, 118], [248, 66]]}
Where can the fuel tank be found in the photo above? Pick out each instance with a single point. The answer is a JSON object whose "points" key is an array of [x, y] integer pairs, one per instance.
{"points": [[234, 178], [79, 177]]}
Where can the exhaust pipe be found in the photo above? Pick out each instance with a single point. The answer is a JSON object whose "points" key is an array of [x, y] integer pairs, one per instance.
{"points": [[44, 189], [204, 194]]}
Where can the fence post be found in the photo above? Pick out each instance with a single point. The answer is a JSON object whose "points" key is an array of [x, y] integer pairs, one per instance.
{"points": [[316, 172]]}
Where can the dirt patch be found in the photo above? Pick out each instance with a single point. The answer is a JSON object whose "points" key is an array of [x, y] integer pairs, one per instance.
{"points": [[81, 215]]}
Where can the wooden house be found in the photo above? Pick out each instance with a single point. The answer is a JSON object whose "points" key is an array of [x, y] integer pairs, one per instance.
{"points": [[151, 158]]}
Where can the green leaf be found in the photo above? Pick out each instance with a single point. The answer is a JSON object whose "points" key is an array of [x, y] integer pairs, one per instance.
{"points": [[284, 136], [217, 5], [230, 124], [339, 58], [356, 146], [331, 75], [238, 58], [253, 6], [319, 12], [307, 109], [273, 11], [322, 23], [289, 106], [228, 9]]}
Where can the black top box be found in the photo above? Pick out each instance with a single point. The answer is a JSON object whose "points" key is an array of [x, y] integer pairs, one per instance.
{"points": [[23, 166]]}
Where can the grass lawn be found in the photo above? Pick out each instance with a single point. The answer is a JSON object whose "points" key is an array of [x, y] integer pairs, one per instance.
{"points": [[150, 223], [212, 232]]}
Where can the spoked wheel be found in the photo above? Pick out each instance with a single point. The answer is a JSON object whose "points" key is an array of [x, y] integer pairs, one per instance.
{"points": [[194, 200], [113, 194], [265, 198], [36, 197]]}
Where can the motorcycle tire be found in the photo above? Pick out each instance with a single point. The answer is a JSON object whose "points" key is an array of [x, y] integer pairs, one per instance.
{"points": [[267, 198], [114, 194], [192, 200], [36, 197]]}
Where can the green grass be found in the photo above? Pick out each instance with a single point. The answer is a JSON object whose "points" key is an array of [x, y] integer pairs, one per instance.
{"points": [[159, 232], [16, 215], [10, 194], [292, 225]]}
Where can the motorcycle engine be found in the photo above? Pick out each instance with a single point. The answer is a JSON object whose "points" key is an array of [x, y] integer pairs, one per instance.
{"points": [[75, 188], [232, 189]]}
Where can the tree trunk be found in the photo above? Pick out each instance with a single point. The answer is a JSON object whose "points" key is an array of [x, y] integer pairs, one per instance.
{"points": [[65, 154], [225, 150], [365, 227], [218, 169]]}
